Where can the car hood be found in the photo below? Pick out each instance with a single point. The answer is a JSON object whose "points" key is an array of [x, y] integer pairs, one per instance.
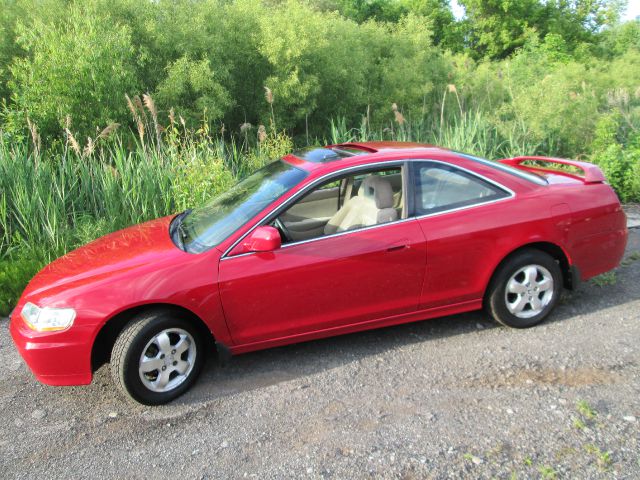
{"points": [[145, 244]]}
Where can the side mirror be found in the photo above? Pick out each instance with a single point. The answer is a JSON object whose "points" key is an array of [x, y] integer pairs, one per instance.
{"points": [[262, 239]]}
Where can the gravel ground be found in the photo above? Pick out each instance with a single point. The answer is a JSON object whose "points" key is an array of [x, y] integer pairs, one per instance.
{"points": [[447, 398]]}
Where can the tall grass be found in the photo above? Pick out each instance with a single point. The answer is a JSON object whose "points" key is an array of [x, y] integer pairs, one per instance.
{"points": [[53, 200], [469, 132], [47, 204]]}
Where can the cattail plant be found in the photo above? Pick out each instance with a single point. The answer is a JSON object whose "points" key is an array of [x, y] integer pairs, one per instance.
{"points": [[244, 130], [151, 106], [262, 134], [135, 107], [451, 88], [398, 115], [268, 95], [107, 131], [35, 138], [72, 142]]}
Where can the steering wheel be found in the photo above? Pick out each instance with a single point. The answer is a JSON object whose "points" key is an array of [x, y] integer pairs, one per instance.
{"points": [[283, 230]]}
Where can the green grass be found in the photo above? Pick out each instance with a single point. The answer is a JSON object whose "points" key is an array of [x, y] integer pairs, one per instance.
{"points": [[603, 459], [579, 424], [586, 410], [630, 259], [605, 280], [547, 472], [472, 132]]}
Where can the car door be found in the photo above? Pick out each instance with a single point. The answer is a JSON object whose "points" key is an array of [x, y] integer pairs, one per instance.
{"points": [[324, 283], [465, 223]]}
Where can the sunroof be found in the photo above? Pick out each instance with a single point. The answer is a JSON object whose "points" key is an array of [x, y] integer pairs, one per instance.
{"points": [[323, 155]]}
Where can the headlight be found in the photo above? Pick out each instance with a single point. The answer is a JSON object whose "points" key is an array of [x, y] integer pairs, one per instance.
{"points": [[47, 319]]}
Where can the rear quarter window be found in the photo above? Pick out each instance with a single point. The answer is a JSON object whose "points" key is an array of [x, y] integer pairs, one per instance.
{"points": [[439, 187]]}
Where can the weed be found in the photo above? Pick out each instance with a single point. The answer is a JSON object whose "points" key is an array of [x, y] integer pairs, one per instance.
{"points": [[579, 424], [603, 459], [547, 472], [586, 410], [606, 279], [633, 257]]}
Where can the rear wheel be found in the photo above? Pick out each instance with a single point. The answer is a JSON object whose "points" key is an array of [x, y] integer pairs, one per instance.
{"points": [[157, 357], [524, 289]]}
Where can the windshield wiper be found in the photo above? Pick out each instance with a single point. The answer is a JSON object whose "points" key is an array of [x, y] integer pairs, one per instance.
{"points": [[176, 226]]}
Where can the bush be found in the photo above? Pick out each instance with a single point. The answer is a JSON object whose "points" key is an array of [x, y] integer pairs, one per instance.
{"points": [[617, 152], [14, 276], [198, 178]]}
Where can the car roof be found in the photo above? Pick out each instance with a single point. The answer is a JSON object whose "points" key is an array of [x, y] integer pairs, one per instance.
{"points": [[342, 155]]}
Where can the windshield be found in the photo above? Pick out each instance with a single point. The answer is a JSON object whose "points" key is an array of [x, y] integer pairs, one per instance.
{"points": [[207, 226]]}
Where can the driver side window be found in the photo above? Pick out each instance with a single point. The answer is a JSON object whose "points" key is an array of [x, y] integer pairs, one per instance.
{"points": [[342, 204]]}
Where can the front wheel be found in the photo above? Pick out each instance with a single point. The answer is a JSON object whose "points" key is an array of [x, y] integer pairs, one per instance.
{"points": [[157, 357], [524, 289]]}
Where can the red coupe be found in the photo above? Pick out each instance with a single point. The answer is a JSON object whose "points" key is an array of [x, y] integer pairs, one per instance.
{"points": [[322, 242]]}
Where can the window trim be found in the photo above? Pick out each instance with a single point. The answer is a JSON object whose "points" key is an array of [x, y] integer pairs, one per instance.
{"points": [[415, 165], [408, 188]]}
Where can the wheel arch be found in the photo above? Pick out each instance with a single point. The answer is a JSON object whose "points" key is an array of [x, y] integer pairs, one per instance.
{"points": [[550, 248], [108, 333]]}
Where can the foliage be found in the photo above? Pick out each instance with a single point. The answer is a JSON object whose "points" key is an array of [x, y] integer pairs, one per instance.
{"points": [[81, 67], [497, 28], [192, 83], [197, 179], [14, 276], [436, 12]]}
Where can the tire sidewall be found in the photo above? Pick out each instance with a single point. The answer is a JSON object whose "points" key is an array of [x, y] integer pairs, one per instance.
{"points": [[497, 300], [130, 367]]}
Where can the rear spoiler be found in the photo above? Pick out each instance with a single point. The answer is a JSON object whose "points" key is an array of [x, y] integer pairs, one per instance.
{"points": [[592, 174]]}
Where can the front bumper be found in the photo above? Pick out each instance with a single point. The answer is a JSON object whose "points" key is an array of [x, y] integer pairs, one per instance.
{"points": [[59, 358]]}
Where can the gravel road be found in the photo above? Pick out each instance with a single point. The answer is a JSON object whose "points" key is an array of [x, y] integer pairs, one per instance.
{"points": [[447, 398]]}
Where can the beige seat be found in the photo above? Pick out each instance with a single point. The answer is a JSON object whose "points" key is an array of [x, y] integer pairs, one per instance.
{"points": [[372, 205]]}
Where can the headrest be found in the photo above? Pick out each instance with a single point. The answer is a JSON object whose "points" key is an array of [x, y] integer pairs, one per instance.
{"points": [[378, 189]]}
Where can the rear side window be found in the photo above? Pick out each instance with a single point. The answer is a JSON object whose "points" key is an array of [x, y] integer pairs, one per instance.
{"points": [[439, 187]]}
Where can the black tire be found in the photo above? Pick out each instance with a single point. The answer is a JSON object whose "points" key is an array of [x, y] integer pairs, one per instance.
{"points": [[497, 299], [134, 340]]}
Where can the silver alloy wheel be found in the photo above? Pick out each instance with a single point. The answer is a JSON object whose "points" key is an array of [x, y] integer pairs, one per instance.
{"points": [[167, 360], [529, 291]]}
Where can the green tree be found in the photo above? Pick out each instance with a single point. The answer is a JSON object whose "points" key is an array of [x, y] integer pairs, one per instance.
{"points": [[195, 89], [363, 10], [445, 30], [81, 67], [496, 28], [443, 26]]}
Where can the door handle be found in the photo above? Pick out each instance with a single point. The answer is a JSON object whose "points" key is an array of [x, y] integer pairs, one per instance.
{"points": [[397, 247]]}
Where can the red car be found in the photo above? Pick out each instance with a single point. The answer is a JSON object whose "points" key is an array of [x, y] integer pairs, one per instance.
{"points": [[323, 242]]}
